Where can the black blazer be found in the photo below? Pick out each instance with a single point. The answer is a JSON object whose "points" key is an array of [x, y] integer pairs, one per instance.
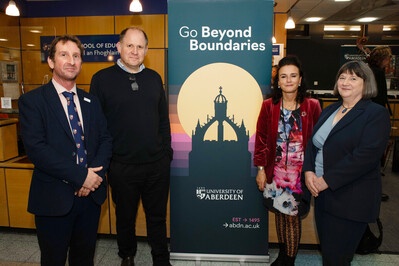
{"points": [[351, 158], [50, 146]]}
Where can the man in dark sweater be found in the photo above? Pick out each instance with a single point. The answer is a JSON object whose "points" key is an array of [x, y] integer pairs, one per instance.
{"points": [[134, 103]]}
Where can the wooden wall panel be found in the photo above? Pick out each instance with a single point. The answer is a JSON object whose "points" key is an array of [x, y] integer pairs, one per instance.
{"points": [[18, 183], [153, 25], [34, 71], [280, 33], [166, 31], [90, 25], [89, 69], [9, 32], [155, 59], [40, 27], [3, 200], [30, 87]]}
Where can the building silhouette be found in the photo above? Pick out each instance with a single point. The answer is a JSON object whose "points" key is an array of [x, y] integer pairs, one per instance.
{"points": [[210, 158]]}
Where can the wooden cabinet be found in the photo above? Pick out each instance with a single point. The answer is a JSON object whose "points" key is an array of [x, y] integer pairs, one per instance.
{"points": [[8, 137], [18, 182], [3, 200]]}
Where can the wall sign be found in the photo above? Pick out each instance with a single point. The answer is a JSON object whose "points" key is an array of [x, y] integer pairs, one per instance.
{"points": [[97, 48]]}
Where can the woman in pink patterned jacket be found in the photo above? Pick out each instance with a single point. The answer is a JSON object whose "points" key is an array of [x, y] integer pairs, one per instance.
{"points": [[284, 126]]}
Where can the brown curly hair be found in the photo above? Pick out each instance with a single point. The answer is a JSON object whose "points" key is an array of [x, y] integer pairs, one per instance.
{"points": [[379, 54]]}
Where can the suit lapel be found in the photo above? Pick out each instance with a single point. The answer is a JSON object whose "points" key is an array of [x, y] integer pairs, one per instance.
{"points": [[54, 102], [350, 116]]}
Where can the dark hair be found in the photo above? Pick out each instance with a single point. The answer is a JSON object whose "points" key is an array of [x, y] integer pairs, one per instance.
{"points": [[277, 92], [63, 39], [379, 54], [363, 71], [123, 33]]}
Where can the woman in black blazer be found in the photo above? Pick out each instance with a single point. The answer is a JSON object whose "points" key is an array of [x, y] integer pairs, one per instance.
{"points": [[342, 164]]}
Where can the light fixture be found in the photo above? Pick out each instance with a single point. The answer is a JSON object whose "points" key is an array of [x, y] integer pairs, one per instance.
{"points": [[274, 40], [313, 19], [12, 9], [135, 6], [367, 19], [290, 24]]}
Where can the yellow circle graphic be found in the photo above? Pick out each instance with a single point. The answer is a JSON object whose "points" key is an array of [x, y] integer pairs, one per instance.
{"points": [[195, 101]]}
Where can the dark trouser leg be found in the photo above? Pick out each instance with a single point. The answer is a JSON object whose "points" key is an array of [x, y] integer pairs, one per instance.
{"points": [[84, 234], [155, 197], [53, 242], [338, 237], [126, 196], [57, 234]]}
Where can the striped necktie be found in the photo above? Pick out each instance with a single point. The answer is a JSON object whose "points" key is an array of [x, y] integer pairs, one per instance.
{"points": [[77, 130]]}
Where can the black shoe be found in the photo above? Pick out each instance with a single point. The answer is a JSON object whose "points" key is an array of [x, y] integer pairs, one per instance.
{"points": [[128, 261], [280, 261], [384, 197]]}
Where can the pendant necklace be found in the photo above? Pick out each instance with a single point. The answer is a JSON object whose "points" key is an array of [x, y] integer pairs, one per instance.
{"points": [[345, 109]]}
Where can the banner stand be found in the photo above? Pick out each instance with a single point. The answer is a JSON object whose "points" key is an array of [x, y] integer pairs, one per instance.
{"points": [[218, 257], [219, 68]]}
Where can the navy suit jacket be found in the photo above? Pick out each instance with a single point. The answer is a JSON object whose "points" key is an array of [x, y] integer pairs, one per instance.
{"points": [[50, 146], [351, 158]]}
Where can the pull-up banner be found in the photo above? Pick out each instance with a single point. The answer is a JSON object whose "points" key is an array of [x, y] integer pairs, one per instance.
{"points": [[219, 64]]}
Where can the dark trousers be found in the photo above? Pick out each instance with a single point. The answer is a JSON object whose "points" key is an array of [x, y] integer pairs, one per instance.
{"points": [[338, 237], [150, 183], [76, 231]]}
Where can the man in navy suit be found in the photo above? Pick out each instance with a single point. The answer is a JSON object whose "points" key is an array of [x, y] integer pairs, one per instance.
{"points": [[66, 190]]}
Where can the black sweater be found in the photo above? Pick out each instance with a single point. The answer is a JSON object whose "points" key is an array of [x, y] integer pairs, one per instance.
{"points": [[382, 96], [138, 120]]}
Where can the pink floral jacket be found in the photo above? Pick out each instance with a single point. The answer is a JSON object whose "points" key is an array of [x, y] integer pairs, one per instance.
{"points": [[266, 131]]}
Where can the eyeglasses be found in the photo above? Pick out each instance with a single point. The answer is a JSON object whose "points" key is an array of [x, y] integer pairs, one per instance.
{"points": [[134, 85]]}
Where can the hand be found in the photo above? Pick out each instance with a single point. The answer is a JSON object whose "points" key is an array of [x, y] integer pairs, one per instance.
{"points": [[310, 183], [82, 192], [321, 184], [315, 184], [261, 180], [93, 181]]}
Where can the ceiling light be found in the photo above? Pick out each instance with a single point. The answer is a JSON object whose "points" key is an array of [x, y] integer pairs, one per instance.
{"points": [[386, 28], [3, 40], [274, 39], [313, 19], [354, 28], [290, 24], [135, 6], [342, 0], [333, 28], [367, 19], [12, 9]]}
